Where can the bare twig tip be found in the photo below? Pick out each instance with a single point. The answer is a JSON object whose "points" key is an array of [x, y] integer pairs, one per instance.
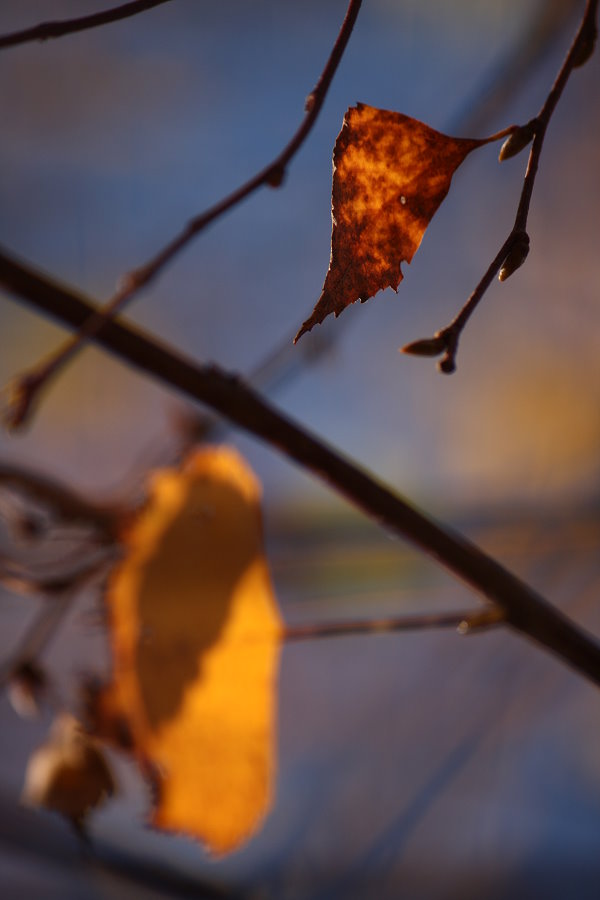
{"points": [[16, 401], [481, 620]]}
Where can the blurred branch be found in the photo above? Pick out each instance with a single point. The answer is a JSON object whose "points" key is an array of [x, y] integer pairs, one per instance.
{"points": [[31, 383], [464, 622], [514, 250], [47, 30], [66, 503], [58, 594], [507, 77], [523, 609]]}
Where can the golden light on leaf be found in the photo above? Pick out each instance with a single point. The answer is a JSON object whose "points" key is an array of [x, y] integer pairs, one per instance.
{"points": [[390, 174], [195, 631]]}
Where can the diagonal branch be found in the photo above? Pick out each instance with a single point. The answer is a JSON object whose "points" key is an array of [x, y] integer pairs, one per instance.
{"points": [[272, 175], [46, 30], [523, 609], [514, 250]]}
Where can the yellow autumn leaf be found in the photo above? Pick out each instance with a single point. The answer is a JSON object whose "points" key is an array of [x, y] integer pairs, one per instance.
{"points": [[195, 634]]}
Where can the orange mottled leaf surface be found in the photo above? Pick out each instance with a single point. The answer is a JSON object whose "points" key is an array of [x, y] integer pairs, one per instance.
{"points": [[195, 634], [390, 174]]}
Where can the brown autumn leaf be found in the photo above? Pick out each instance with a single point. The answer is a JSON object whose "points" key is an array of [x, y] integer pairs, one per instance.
{"points": [[195, 634], [68, 773], [390, 174]]}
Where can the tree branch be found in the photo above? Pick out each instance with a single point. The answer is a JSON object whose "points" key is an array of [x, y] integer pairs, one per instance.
{"points": [[514, 250], [524, 610], [66, 503], [58, 595], [464, 622], [273, 175], [47, 30]]}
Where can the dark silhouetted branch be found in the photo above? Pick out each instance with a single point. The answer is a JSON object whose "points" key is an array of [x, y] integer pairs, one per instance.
{"points": [[47, 30], [131, 284], [523, 609], [515, 248]]}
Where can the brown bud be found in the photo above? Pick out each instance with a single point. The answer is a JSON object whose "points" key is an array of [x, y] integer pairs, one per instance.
{"points": [[585, 47], [27, 684], [426, 346], [516, 257], [447, 365], [309, 102], [517, 141]]}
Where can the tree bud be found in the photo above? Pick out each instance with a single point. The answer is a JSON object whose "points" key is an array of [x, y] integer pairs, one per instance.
{"points": [[516, 257], [517, 141], [585, 47]]}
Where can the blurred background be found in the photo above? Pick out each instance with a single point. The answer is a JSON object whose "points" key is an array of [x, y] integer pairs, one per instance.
{"points": [[417, 765]]}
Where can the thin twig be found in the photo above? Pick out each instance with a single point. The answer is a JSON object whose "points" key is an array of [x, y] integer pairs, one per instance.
{"points": [[66, 503], [285, 360], [31, 383], [523, 608], [47, 30], [464, 622], [515, 248], [59, 594]]}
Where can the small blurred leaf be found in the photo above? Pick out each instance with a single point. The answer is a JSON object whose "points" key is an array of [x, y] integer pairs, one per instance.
{"points": [[68, 773], [195, 634], [390, 174]]}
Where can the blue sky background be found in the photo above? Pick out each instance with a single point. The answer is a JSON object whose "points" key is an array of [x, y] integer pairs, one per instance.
{"points": [[110, 141], [114, 138]]}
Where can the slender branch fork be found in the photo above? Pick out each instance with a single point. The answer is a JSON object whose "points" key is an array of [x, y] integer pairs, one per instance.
{"points": [[515, 248], [522, 608], [31, 383], [46, 30]]}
